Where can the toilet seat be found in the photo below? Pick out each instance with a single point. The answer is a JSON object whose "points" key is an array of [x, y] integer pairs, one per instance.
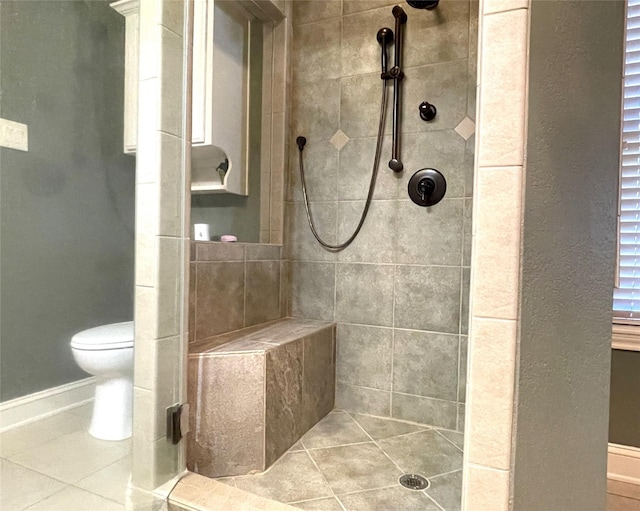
{"points": [[105, 337]]}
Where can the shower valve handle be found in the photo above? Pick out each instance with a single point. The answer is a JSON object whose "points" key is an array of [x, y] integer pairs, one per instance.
{"points": [[427, 187], [427, 111]]}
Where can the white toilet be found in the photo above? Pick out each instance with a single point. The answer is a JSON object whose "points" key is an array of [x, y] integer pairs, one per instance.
{"points": [[107, 353]]}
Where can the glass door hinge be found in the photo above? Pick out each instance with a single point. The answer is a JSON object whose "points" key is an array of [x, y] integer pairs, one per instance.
{"points": [[177, 422]]}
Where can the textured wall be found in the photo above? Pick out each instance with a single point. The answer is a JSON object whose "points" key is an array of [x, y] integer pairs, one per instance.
{"points": [[568, 255], [398, 293], [67, 203], [624, 417]]}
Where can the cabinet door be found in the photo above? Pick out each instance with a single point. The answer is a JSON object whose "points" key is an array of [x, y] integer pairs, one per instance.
{"points": [[221, 74], [220, 98], [130, 9]]}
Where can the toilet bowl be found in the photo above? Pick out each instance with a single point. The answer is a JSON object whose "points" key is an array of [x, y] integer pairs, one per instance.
{"points": [[107, 353]]}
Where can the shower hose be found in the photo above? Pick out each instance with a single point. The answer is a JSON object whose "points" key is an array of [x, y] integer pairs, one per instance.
{"points": [[372, 184]]}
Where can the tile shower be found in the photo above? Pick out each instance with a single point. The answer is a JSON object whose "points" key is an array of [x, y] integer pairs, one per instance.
{"points": [[399, 294]]}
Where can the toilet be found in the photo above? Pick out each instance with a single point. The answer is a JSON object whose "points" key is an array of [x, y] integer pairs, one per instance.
{"points": [[107, 353]]}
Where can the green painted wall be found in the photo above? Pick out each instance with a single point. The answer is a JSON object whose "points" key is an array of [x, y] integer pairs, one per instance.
{"points": [[568, 255], [66, 205]]}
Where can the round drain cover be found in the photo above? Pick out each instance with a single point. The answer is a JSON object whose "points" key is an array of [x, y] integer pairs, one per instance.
{"points": [[414, 482]]}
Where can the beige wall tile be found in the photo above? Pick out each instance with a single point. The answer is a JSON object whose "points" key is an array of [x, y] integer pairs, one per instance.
{"points": [[147, 154], [265, 154], [493, 6], [171, 84], [144, 370], [280, 49], [147, 206], [491, 392], [503, 89], [275, 237], [146, 241], [168, 285], [485, 489], [278, 135], [143, 409], [265, 172], [149, 34], [160, 250], [157, 373], [172, 15], [496, 242], [267, 67], [277, 216], [146, 315], [171, 190], [166, 461], [158, 385], [265, 212], [142, 466]]}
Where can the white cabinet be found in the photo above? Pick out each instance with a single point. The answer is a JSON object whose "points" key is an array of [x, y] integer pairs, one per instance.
{"points": [[130, 9], [220, 99], [221, 70]]}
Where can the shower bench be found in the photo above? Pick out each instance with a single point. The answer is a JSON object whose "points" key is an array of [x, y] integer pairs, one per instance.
{"points": [[255, 392]]}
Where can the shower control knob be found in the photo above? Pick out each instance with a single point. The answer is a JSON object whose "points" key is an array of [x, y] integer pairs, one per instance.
{"points": [[427, 111], [427, 187]]}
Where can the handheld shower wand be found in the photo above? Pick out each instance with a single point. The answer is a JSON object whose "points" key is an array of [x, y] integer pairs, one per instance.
{"points": [[385, 38]]}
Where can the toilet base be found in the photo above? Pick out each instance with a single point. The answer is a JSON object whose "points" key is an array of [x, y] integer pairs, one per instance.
{"points": [[112, 409]]}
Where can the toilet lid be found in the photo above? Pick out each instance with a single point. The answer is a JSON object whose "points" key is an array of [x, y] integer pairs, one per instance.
{"points": [[105, 337]]}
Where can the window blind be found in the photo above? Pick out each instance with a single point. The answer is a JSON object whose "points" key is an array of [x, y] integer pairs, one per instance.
{"points": [[626, 296]]}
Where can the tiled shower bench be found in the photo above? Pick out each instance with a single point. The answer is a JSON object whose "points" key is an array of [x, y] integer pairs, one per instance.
{"points": [[255, 392]]}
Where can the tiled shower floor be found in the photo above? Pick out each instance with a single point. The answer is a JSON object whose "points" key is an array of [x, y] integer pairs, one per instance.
{"points": [[55, 465], [352, 462]]}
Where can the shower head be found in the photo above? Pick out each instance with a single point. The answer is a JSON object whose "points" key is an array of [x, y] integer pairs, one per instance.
{"points": [[385, 38], [423, 4]]}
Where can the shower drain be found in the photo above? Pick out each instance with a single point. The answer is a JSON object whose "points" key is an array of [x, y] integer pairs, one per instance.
{"points": [[414, 482]]}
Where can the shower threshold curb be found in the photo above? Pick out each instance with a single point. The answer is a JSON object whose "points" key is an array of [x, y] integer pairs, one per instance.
{"points": [[198, 493]]}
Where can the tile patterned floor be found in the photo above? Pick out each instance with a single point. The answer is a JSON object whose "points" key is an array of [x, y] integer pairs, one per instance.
{"points": [[55, 465], [352, 462]]}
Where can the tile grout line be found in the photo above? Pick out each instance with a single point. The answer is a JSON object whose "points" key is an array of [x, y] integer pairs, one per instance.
{"points": [[333, 494], [42, 500], [448, 440], [393, 331], [407, 434], [66, 483], [447, 473], [309, 449], [376, 444], [424, 492]]}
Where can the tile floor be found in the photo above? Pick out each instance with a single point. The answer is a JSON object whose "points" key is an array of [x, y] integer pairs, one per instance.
{"points": [[55, 465], [352, 462]]}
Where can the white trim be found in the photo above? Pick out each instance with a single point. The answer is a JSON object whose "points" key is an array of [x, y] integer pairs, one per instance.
{"points": [[23, 410], [623, 464]]}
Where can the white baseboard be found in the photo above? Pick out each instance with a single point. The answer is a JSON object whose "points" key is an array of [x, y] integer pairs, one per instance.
{"points": [[23, 410], [623, 464]]}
